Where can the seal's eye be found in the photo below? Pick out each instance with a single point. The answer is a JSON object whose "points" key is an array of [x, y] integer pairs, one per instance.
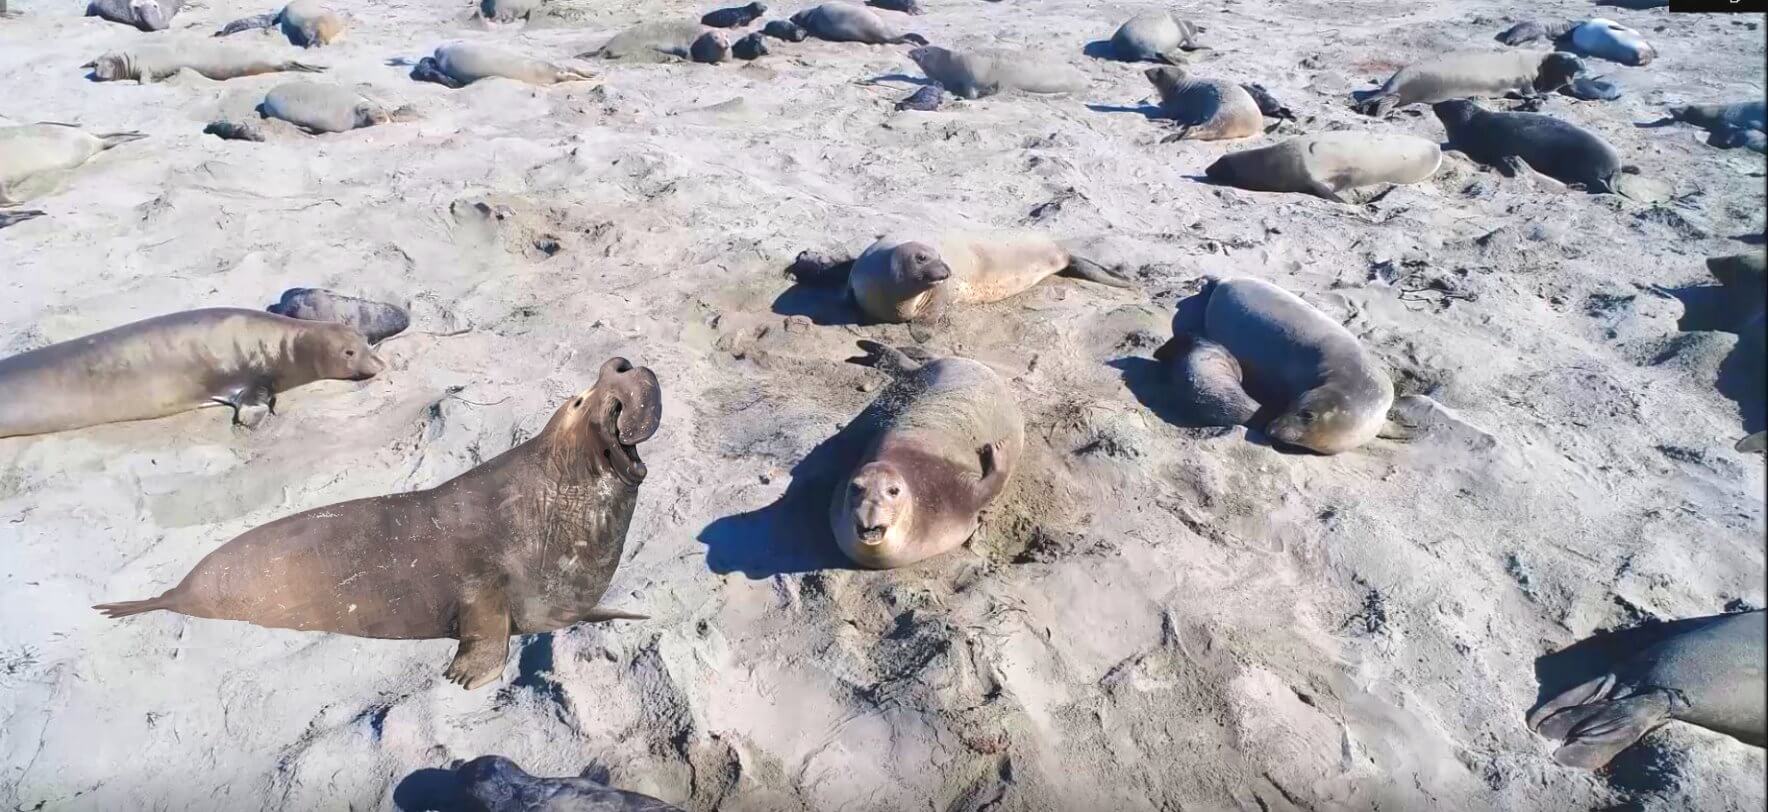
{"points": [[1306, 415], [577, 404], [349, 353], [895, 491]]}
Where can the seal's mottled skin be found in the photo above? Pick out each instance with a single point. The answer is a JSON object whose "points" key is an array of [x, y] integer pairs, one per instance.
{"points": [[1465, 74], [909, 279], [1327, 163], [1705, 671], [1205, 109], [525, 543], [847, 22], [175, 363], [498, 785]]}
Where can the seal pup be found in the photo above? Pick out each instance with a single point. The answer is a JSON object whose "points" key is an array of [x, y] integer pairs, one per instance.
{"points": [[499, 785], [1154, 36], [1740, 124], [458, 64], [1509, 141], [985, 72], [786, 30], [376, 321], [734, 17], [948, 434], [175, 363], [35, 157], [320, 108], [1205, 109], [752, 46], [712, 48], [147, 15], [153, 61], [1706, 671], [846, 22], [1604, 39], [524, 543], [1327, 163], [1464, 74], [661, 41], [307, 23], [1243, 344], [508, 11], [927, 99], [910, 7]]}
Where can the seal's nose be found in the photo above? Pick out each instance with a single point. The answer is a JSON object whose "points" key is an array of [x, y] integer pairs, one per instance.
{"points": [[639, 395], [939, 271]]}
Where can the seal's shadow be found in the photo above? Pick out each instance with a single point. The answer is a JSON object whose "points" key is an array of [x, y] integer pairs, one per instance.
{"points": [[792, 534], [1102, 49], [901, 77], [432, 790], [1152, 387], [1740, 376], [1147, 111], [823, 303]]}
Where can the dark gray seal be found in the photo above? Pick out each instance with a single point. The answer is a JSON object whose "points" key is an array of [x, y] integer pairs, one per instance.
{"points": [[846, 22], [498, 785], [902, 6], [786, 30], [752, 46], [1508, 141], [734, 17], [147, 15], [16, 216], [376, 321], [927, 99]]}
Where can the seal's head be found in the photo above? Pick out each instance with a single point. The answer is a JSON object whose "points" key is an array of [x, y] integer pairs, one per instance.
{"points": [[1558, 70], [1222, 171], [494, 781], [110, 67], [710, 48], [148, 15], [918, 265], [931, 58], [340, 352], [602, 426], [1323, 420], [872, 516], [1165, 76], [1455, 112]]}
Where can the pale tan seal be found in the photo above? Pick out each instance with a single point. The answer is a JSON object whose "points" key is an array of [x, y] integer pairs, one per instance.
{"points": [[948, 435], [524, 543], [34, 158], [1465, 74], [1205, 109], [664, 41], [848, 22], [462, 63], [153, 61], [1328, 163], [175, 363], [147, 15], [973, 74], [1154, 36], [319, 108], [1243, 346], [307, 23]]}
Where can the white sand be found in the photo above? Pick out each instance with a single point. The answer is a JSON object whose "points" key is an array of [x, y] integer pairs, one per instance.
{"points": [[1153, 618]]}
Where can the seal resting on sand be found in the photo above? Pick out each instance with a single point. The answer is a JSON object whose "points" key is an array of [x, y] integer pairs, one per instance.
{"points": [[974, 74], [1740, 124], [307, 23], [1509, 141], [1154, 36], [508, 11], [1242, 345], [175, 363], [948, 434], [1328, 163], [1205, 109], [458, 64], [1705, 671], [498, 785], [734, 17], [846, 22], [662, 41], [376, 321], [147, 15], [1465, 74], [153, 61], [319, 108], [525, 543], [1604, 39], [35, 157]]}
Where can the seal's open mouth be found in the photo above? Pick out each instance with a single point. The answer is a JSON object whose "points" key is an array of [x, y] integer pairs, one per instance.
{"points": [[869, 535], [622, 457]]}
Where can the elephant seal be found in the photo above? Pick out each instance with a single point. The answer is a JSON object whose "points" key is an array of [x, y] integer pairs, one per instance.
{"points": [[662, 41], [307, 23], [752, 46], [499, 785], [16, 216], [734, 17], [711, 48], [147, 15], [926, 100], [508, 11], [1205, 109], [459, 64], [175, 363], [1507, 141], [1705, 671], [34, 157], [320, 108], [948, 434], [786, 30], [524, 543], [151, 62], [1268, 105], [1243, 345], [376, 321], [1754, 443], [1464, 74], [1154, 36], [1740, 124], [846, 22], [909, 7], [1604, 39], [1327, 163], [985, 72]]}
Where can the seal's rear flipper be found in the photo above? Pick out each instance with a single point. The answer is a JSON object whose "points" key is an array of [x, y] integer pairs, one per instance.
{"points": [[127, 608], [818, 268], [8, 218], [428, 70], [1094, 272], [1522, 32], [249, 23], [113, 139], [1595, 730], [302, 67], [599, 614], [1756, 442], [917, 39], [889, 359], [1208, 379]]}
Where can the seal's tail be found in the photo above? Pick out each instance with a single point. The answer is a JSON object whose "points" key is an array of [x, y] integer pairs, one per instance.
{"points": [[302, 67], [889, 359], [127, 608], [1094, 272], [113, 139]]}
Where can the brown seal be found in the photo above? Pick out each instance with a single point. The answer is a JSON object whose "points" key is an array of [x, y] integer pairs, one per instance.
{"points": [[523, 544], [175, 363]]}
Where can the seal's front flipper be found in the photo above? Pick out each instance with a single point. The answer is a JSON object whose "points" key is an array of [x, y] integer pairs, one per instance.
{"points": [[1094, 272], [1594, 733], [1324, 192], [250, 404], [1208, 379], [484, 634], [885, 358], [249, 23], [818, 268], [429, 70], [599, 614]]}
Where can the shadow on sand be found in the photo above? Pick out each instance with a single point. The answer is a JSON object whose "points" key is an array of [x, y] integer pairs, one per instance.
{"points": [[1740, 377]]}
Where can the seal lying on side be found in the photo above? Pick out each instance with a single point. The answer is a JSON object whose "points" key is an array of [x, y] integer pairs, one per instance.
{"points": [[910, 7], [985, 72], [508, 11], [846, 22], [1154, 36], [151, 62], [459, 64], [1705, 671], [901, 279], [376, 321], [307, 23], [1243, 343], [498, 785], [786, 30], [175, 363], [523, 544], [1740, 124], [1507, 141], [1328, 163], [1205, 109], [1604, 39], [320, 108], [147, 15], [1465, 74], [34, 157], [948, 435], [734, 17], [663, 42]]}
